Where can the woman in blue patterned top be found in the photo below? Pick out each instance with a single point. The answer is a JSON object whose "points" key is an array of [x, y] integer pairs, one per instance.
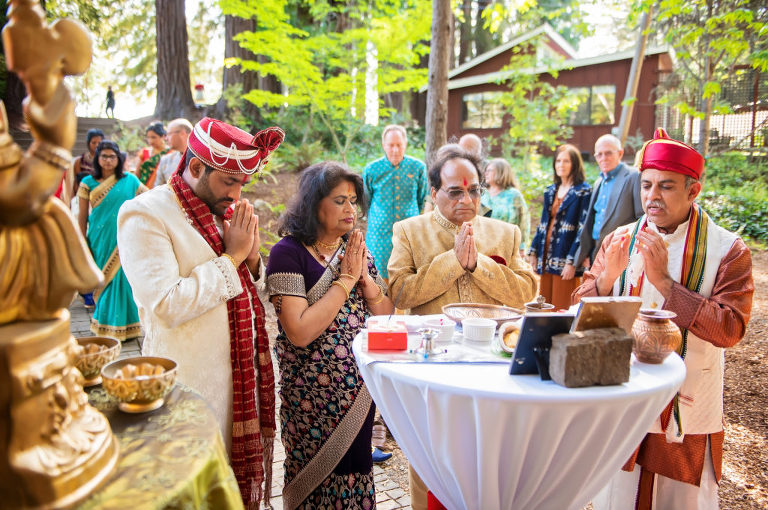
{"points": [[395, 186], [504, 198], [556, 241]]}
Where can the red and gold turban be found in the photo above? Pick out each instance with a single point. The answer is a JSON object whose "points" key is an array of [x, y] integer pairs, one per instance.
{"points": [[231, 149], [664, 153]]}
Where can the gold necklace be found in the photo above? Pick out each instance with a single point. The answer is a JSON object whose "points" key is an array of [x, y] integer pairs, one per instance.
{"points": [[325, 261], [329, 246]]}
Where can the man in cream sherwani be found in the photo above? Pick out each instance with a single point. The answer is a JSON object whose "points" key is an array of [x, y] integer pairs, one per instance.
{"points": [[676, 258], [451, 255], [192, 263]]}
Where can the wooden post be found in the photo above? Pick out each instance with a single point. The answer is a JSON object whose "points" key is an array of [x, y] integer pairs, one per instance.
{"points": [[634, 78]]}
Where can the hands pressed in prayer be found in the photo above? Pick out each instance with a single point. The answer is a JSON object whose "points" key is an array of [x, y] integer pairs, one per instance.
{"points": [[465, 248], [653, 248], [352, 262], [615, 261], [239, 232], [252, 260]]}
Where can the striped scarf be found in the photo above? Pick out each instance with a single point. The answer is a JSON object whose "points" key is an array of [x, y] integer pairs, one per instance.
{"points": [[253, 429], [691, 276]]}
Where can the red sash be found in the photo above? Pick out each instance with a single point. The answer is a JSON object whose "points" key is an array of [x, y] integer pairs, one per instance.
{"points": [[252, 427]]}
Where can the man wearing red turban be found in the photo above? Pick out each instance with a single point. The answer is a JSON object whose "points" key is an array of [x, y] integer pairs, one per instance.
{"points": [[190, 250], [675, 258]]}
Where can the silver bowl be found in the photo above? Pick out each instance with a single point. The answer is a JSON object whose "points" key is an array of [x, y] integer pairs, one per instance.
{"points": [[460, 311]]}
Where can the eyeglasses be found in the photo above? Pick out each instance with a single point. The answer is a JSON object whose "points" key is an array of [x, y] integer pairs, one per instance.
{"points": [[606, 154], [107, 157], [457, 194]]}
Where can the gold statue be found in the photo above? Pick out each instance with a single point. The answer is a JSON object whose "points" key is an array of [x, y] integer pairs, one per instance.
{"points": [[54, 447]]}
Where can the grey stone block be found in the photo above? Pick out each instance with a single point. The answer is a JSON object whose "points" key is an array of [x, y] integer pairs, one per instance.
{"points": [[592, 357]]}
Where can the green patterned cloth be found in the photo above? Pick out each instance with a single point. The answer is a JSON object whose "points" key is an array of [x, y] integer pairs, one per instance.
{"points": [[173, 457]]}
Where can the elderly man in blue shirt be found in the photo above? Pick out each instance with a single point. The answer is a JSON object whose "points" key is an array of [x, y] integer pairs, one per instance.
{"points": [[615, 199]]}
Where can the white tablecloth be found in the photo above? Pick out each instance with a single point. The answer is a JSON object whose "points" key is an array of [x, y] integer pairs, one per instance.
{"points": [[483, 439]]}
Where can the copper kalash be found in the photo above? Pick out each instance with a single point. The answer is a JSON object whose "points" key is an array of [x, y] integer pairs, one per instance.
{"points": [[54, 447]]}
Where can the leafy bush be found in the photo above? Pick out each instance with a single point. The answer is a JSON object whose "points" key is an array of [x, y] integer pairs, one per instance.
{"points": [[733, 205], [295, 158], [740, 210]]}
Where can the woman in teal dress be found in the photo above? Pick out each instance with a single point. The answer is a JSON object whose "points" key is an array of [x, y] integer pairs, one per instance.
{"points": [[504, 198], [101, 196]]}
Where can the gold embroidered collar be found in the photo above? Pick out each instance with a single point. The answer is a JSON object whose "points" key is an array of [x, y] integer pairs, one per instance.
{"points": [[443, 222]]}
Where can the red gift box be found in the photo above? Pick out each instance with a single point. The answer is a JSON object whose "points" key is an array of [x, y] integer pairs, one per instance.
{"points": [[390, 336]]}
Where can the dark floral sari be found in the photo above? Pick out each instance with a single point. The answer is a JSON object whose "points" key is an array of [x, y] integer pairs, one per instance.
{"points": [[326, 412]]}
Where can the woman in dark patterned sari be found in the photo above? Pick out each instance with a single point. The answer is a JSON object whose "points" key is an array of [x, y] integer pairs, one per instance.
{"points": [[322, 301]]}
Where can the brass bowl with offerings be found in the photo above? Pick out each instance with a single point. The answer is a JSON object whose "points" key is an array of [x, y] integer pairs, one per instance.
{"points": [[140, 384], [93, 353]]}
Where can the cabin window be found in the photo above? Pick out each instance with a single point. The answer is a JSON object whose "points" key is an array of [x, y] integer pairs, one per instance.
{"points": [[595, 105], [481, 111]]}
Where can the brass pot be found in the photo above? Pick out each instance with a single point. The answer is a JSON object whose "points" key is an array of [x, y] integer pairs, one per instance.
{"points": [[655, 335]]}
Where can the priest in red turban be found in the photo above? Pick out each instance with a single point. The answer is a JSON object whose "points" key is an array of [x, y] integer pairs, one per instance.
{"points": [[190, 250], [676, 258]]}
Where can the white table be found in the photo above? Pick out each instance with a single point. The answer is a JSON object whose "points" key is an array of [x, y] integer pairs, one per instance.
{"points": [[483, 439]]}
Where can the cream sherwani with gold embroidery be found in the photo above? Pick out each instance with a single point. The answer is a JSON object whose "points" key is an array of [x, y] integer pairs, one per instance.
{"points": [[424, 273]]}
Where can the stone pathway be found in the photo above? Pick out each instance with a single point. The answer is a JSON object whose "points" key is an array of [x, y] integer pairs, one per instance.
{"points": [[389, 495]]}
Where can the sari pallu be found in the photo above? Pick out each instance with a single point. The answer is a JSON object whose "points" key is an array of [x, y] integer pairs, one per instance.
{"points": [[115, 314], [326, 412], [147, 171]]}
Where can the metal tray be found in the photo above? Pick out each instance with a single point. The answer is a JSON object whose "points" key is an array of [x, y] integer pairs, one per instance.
{"points": [[499, 313]]}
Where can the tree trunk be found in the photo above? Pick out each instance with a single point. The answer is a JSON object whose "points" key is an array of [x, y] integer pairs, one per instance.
{"points": [[174, 93], [706, 103], [483, 38], [234, 75], [437, 87], [465, 33]]}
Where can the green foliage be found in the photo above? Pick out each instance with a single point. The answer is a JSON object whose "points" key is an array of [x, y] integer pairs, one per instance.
{"points": [[740, 210], [129, 137], [538, 111], [295, 158], [709, 39], [323, 70], [732, 205], [129, 39]]}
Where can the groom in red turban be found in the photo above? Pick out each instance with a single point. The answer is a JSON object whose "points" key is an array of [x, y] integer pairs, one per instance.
{"points": [[190, 250], [675, 258]]}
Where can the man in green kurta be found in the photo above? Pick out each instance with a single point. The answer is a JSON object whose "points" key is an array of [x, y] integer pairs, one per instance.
{"points": [[396, 186]]}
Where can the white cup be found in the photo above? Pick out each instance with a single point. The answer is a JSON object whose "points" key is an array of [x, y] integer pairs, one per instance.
{"points": [[477, 329], [444, 327]]}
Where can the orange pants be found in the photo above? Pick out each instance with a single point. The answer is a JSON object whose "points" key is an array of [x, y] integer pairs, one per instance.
{"points": [[558, 291]]}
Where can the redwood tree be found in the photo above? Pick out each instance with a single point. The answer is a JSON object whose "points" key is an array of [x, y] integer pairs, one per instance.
{"points": [[437, 87], [174, 92]]}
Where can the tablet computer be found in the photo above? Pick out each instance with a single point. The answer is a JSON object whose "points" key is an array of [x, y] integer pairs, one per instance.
{"points": [[531, 355]]}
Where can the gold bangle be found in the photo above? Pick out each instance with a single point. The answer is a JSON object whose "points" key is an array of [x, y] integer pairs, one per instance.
{"points": [[341, 284], [380, 297], [230, 259], [345, 274]]}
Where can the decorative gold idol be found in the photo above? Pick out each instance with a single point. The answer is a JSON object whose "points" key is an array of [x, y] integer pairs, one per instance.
{"points": [[54, 447]]}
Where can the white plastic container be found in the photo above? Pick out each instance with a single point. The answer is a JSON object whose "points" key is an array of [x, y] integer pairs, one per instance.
{"points": [[479, 330]]}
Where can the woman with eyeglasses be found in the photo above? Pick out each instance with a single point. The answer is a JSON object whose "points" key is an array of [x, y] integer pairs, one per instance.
{"points": [[150, 156], [102, 193], [323, 284], [504, 199], [554, 246]]}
